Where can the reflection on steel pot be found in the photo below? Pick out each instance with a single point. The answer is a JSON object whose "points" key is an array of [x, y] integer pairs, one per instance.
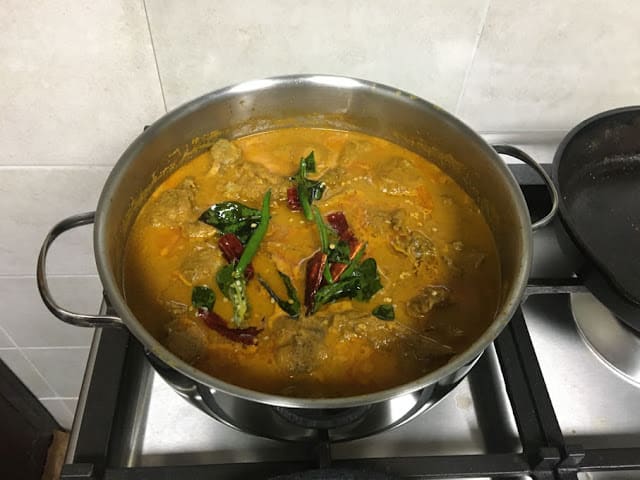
{"points": [[311, 101]]}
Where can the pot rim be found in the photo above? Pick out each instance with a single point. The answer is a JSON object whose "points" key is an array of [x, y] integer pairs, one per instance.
{"points": [[154, 347]]}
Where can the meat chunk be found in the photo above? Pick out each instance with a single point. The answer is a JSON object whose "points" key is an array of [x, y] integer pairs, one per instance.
{"points": [[468, 257], [398, 220], [429, 298], [360, 325], [186, 338], [377, 222], [335, 179], [223, 153], [390, 336], [173, 207], [415, 244], [397, 177], [198, 229], [248, 182], [353, 150], [201, 265], [300, 354], [404, 239], [460, 258], [244, 180], [286, 257], [300, 344]]}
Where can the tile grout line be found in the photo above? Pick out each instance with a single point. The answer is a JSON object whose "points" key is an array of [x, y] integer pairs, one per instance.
{"points": [[155, 56], [59, 276], [46, 382], [467, 74], [58, 398], [55, 392], [57, 166], [58, 347], [13, 342]]}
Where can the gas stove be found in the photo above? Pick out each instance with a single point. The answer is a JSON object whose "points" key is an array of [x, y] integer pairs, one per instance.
{"points": [[538, 404]]}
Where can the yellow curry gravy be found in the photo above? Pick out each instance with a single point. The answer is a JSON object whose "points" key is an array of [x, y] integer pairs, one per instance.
{"points": [[434, 250]]}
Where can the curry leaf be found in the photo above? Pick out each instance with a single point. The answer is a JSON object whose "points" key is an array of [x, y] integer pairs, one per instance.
{"points": [[360, 283], [203, 297], [369, 283], [310, 163], [354, 263], [232, 217], [224, 277], [340, 252], [291, 290], [316, 189], [384, 312], [345, 288], [290, 306], [308, 190]]}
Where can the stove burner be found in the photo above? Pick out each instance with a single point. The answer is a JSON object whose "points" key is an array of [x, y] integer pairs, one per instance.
{"points": [[617, 346], [323, 419]]}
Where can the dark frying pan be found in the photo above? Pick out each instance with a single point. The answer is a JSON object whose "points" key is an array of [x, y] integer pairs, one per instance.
{"points": [[597, 171]]}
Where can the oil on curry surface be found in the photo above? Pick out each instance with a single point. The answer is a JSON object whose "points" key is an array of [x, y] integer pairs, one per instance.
{"points": [[374, 269]]}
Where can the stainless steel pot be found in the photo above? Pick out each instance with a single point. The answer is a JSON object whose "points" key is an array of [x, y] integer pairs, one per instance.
{"points": [[317, 101]]}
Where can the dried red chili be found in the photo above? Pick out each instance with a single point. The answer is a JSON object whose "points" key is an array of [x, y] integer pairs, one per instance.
{"points": [[293, 200], [339, 223], [314, 271], [232, 249], [246, 336]]}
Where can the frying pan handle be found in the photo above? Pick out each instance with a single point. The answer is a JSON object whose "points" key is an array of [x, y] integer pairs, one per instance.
{"points": [[524, 157], [78, 319]]}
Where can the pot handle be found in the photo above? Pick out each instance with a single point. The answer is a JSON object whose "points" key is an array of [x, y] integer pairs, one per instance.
{"points": [[77, 319], [524, 157]]}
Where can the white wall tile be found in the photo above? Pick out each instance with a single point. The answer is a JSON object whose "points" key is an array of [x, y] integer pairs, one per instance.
{"points": [[78, 81], [26, 372], [63, 368], [72, 404], [32, 200], [549, 65], [5, 341], [30, 324], [423, 47], [60, 411]]}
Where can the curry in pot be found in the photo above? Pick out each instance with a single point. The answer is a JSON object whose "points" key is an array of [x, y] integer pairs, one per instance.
{"points": [[312, 263]]}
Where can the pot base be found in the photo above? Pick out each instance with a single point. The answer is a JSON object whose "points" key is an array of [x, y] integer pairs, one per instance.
{"points": [[307, 424]]}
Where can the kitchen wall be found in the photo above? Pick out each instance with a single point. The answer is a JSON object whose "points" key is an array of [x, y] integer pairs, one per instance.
{"points": [[80, 79]]}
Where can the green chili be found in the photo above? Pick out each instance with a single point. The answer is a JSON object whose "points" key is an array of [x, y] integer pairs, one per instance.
{"points": [[254, 242], [322, 230]]}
